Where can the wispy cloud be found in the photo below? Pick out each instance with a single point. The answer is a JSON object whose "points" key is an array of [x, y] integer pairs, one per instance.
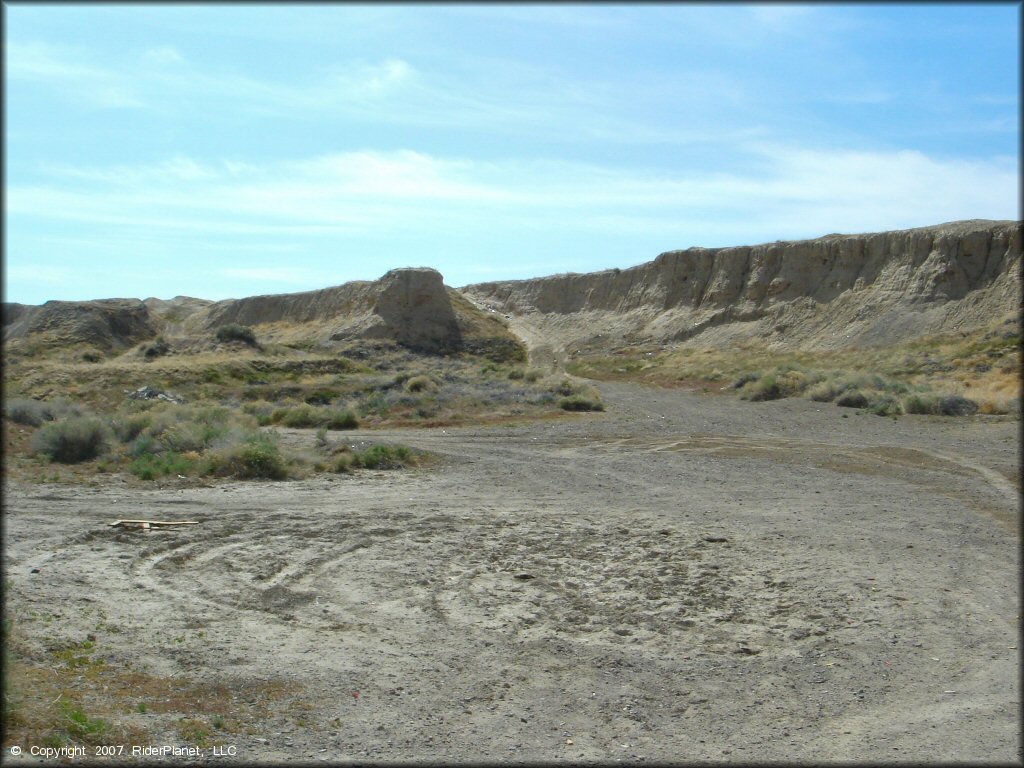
{"points": [[82, 79], [785, 189]]}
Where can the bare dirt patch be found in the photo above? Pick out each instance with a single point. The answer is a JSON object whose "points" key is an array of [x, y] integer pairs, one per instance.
{"points": [[680, 578]]}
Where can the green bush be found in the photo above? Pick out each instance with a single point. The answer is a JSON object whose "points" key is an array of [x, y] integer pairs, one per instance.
{"points": [[236, 332], [73, 440], [145, 445], [532, 375], [517, 373], [341, 419], [383, 457], [580, 403], [258, 456], [149, 467]]}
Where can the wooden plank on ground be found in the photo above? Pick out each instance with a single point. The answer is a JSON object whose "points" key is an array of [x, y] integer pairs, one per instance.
{"points": [[151, 523]]}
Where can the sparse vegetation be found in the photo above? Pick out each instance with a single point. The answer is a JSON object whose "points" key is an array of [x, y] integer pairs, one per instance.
{"points": [[74, 696], [236, 332], [914, 377]]}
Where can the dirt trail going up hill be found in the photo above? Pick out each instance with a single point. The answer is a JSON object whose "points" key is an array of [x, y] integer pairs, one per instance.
{"points": [[681, 578]]}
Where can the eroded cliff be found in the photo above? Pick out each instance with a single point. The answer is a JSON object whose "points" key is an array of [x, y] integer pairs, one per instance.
{"points": [[832, 291]]}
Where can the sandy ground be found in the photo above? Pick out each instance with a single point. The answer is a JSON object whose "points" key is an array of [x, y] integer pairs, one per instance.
{"points": [[683, 578]]}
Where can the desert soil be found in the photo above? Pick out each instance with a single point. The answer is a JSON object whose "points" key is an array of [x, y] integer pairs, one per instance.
{"points": [[685, 577]]}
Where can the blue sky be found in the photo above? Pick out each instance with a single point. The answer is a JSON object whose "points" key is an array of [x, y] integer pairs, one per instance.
{"points": [[226, 151]]}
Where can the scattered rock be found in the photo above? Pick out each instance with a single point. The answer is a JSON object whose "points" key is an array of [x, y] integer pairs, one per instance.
{"points": [[152, 393]]}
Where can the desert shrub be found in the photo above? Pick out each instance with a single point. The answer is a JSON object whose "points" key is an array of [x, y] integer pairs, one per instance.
{"points": [[321, 396], [580, 403], [565, 387], [745, 379], [532, 375], [144, 445], [343, 462], [920, 403], [260, 410], [32, 413], [383, 457], [158, 348], [130, 426], [885, 405], [852, 398], [186, 436], [517, 373], [823, 391], [763, 388], [956, 405], [257, 456], [70, 441], [420, 384], [299, 417], [236, 332], [150, 467], [341, 419]]}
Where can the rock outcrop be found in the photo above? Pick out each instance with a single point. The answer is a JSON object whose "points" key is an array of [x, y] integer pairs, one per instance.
{"points": [[105, 324], [410, 306], [833, 291]]}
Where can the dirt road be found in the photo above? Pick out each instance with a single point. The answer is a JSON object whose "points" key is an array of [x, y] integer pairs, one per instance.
{"points": [[682, 578]]}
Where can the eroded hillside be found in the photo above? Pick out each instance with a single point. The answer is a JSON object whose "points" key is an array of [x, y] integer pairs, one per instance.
{"points": [[831, 292], [412, 307]]}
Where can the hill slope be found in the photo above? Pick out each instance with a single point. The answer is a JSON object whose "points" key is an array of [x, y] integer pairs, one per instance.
{"points": [[826, 293]]}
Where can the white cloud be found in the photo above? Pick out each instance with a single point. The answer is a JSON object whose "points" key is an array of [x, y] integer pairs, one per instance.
{"points": [[793, 191]]}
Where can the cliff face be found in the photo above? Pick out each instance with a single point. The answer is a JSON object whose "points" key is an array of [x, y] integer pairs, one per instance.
{"points": [[106, 324], [832, 291], [411, 306]]}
